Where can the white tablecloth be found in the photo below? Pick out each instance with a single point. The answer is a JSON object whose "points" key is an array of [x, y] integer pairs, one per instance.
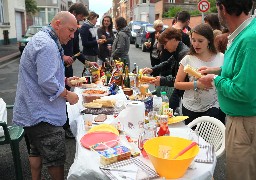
{"points": [[86, 163]]}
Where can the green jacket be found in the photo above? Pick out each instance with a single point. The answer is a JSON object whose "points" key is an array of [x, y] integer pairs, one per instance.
{"points": [[236, 85]]}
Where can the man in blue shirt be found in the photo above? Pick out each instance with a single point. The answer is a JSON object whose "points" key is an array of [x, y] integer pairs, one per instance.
{"points": [[40, 103]]}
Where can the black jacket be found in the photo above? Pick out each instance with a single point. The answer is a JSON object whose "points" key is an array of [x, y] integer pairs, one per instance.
{"points": [[88, 35], [103, 48], [168, 69], [72, 47]]}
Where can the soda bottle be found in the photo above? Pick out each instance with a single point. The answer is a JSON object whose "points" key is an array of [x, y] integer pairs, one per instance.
{"points": [[165, 103]]}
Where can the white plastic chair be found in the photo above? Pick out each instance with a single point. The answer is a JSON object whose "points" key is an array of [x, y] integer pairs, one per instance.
{"points": [[212, 131]]}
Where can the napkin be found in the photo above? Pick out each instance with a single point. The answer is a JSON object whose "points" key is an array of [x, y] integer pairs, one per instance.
{"points": [[205, 155], [126, 175]]}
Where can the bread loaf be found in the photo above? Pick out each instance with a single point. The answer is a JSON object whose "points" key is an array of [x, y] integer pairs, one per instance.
{"points": [[192, 72]]}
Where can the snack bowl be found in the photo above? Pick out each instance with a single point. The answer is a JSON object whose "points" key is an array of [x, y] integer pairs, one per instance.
{"points": [[169, 167]]}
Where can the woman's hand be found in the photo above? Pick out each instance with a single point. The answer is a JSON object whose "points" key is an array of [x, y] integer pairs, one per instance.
{"points": [[209, 70]]}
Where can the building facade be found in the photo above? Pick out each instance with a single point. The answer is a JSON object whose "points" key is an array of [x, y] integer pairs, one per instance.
{"points": [[47, 10], [12, 20]]}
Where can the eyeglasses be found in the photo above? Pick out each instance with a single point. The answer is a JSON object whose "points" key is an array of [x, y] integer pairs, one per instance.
{"points": [[159, 26]]}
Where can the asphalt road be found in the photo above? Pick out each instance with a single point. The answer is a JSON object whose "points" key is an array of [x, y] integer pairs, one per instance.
{"points": [[8, 81]]}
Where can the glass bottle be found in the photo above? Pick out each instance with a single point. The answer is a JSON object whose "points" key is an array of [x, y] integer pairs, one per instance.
{"points": [[165, 103], [126, 77]]}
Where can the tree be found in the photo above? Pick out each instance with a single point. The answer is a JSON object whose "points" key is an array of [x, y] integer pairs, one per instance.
{"points": [[213, 8], [31, 6]]}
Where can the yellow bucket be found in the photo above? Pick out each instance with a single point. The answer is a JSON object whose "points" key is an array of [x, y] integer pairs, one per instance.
{"points": [[169, 167]]}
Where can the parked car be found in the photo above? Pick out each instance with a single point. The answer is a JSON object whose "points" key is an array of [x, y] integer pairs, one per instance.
{"points": [[135, 27], [143, 36], [32, 30]]}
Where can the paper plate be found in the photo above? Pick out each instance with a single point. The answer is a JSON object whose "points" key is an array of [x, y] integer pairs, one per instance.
{"points": [[105, 140], [177, 119], [104, 127]]}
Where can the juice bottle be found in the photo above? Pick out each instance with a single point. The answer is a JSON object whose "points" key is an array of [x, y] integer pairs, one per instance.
{"points": [[165, 103]]}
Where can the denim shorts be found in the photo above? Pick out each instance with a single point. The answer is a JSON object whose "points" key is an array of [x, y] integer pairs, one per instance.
{"points": [[48, 142]]}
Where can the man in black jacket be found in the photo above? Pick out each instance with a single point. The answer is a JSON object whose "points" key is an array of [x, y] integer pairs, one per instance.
{"points": [[171, 39], [72, 47]]}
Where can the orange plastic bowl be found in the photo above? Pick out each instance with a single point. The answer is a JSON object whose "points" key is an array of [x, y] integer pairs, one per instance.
{"points": [[170, 168]]}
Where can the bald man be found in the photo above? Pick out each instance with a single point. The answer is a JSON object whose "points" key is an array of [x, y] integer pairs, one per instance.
{"points": [[40, 103]]}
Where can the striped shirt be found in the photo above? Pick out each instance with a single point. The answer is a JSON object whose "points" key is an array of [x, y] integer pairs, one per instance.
{"points": [[40, 83]]}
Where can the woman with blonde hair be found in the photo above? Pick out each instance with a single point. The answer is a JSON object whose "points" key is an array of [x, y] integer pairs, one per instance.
{"points": [[153, 40], [197, 100]]}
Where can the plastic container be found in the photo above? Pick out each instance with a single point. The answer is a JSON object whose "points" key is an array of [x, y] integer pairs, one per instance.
{"points": [[169, 167], [165, 103]]}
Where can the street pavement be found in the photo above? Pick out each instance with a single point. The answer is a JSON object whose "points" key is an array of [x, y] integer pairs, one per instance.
{"points": [[9, 62]]}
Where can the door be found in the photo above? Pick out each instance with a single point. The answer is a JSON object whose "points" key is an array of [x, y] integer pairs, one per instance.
{"points": [[18, 24]]}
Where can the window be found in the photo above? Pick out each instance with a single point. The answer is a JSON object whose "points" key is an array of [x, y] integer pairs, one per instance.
{"points": [[144, 1], [171, 1], [51, 13], [1, 11]]}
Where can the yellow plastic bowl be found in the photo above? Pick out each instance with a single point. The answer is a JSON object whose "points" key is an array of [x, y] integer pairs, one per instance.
{"points": [[170, 168]]}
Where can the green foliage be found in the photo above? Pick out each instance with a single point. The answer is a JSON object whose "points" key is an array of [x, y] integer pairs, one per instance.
{"points": [[172, 12], [213, 8], [31, 6], [195, 13]]}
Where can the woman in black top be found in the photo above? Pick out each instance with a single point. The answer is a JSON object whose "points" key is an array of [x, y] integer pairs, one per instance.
{"points": [[105, 32]]}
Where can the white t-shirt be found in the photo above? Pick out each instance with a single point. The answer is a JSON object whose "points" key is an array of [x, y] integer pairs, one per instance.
{"points": [[201, 100]]}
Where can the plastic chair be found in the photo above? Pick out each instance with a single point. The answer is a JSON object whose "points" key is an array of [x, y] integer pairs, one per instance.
{"points": [[12, 136], [212, 131]]}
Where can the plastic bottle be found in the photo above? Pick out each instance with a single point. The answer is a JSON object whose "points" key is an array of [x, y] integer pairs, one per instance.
{"points": [[165, 103]]}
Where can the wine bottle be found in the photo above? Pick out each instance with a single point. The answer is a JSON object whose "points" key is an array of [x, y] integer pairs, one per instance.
{"points": [[126, 77]]}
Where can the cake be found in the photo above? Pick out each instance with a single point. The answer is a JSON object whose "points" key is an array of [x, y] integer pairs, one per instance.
{"points": [[111, 155]]}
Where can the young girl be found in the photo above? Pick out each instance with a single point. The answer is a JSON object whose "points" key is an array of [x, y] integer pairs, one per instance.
{"points": [[197, 100]]}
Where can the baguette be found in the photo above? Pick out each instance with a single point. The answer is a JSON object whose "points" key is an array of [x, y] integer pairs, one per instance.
{"points": [[105, 102], [146, 79], [80, 80], [192, 72], [92, 105]]}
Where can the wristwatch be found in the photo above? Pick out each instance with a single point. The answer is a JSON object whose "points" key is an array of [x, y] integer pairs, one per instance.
{"points": [[213, 80]]}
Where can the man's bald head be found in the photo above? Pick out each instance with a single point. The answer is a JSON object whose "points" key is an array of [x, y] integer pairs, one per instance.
{"points": [[64, 24], [64, 17]]}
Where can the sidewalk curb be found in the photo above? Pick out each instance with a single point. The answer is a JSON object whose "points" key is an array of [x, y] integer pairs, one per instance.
{"points": [[13, 55]]}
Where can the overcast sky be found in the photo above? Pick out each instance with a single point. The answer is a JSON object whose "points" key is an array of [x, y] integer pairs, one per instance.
{"points": [[100, 7]]}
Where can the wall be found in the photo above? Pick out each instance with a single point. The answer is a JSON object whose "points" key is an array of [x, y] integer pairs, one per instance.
{"points": [[10, 8], [194, 20], [144, 9]]}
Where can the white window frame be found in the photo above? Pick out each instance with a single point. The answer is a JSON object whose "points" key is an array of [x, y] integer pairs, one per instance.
{"points": [[171, 1]]}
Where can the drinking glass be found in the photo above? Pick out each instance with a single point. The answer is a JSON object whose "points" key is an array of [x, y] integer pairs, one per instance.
{"points": [[88, 118]]}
